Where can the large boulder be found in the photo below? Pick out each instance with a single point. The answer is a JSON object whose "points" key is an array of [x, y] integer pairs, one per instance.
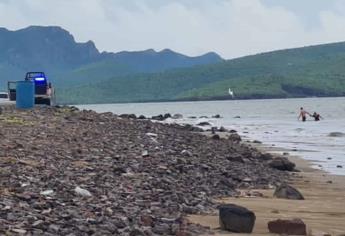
{"points": [[287, 227], [288, 192], [236, 219], [282, 163]]}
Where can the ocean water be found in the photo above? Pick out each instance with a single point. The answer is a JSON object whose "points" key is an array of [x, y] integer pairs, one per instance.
{"points": [[273, 122]]}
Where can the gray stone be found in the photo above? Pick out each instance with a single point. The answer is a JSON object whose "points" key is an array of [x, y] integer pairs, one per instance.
{"points": [[288, 192], [236, 219]]}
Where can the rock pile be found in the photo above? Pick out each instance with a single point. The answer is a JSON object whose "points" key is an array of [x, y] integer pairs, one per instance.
{"points": [[70, 172]]}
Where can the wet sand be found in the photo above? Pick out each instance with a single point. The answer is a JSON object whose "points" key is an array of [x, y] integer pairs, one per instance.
{"points": [[323, 211]]}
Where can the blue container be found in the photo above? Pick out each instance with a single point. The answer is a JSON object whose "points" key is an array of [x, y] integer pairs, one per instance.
{"points": [[25, 92]]}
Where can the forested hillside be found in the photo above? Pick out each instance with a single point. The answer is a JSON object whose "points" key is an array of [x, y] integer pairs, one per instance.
{"points": [[309, 71]]}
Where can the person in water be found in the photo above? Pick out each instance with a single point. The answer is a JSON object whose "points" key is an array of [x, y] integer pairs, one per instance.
{"points": [[303, 114], [316, 116]]}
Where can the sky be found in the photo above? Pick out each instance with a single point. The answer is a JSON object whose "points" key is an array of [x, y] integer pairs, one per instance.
{"points": [[231, 28]]}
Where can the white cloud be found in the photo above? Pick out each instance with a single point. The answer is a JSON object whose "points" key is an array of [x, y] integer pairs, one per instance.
{"points": [[230, 27]]}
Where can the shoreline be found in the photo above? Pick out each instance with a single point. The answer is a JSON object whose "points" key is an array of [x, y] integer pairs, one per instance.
{"points": [[322, 210], [201, 100]]}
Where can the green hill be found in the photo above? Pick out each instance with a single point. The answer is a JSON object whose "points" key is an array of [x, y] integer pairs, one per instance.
{"points": [[309, 71]]}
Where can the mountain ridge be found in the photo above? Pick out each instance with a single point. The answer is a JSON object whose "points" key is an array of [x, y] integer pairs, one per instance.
{"points": [[54, 50]]}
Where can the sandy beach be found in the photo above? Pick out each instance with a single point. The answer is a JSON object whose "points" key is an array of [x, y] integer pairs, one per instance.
{"points": [[323, 209]]}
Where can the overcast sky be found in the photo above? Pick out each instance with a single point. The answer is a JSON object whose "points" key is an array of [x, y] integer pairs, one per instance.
{"points": [[231, 28]]}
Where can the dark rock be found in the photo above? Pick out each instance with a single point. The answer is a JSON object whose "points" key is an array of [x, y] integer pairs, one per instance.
{"points": [[339, 166], [232, 131], [287, 227], [257, 141], [166, 116], [216, 137], [159, 118], [288, 192], [336, 134], [236, 219], [282, 163], [216, 116], [141, 117], [237, 117], [128, 116], [204, 124], [222, 129]]}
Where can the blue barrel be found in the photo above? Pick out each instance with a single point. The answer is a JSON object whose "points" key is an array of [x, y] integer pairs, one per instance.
{"points": [[25, 92]]}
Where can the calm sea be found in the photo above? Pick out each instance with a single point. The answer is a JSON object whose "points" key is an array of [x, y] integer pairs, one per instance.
{"points": [[273, 122]]}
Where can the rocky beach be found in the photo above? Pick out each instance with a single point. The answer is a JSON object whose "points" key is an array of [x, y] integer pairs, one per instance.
{"points": [[71, 172], [322, 211]]}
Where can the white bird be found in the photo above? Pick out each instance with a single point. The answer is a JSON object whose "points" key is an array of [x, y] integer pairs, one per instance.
{"points": [[231, 93]]}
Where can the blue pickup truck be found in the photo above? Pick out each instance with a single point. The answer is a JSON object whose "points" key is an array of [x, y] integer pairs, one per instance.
{"points": [[44, 92]]}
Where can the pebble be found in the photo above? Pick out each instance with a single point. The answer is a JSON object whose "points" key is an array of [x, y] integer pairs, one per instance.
{"points": [[47, 192], [82, 192]]}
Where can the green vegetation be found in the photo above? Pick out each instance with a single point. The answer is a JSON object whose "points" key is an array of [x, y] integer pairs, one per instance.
{"points": [[309, 71]]}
